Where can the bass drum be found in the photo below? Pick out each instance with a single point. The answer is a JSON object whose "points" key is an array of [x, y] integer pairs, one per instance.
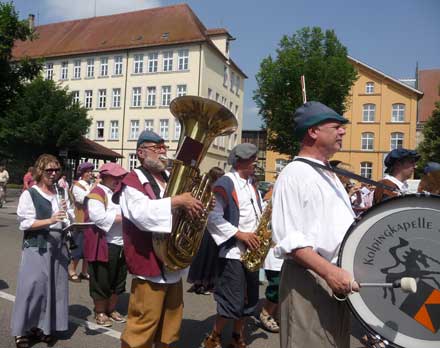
{"points": [[397, 238]]}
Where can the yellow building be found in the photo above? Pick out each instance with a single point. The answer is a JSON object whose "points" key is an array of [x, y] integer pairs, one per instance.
{"points": [[383, 116], [126, 68]]}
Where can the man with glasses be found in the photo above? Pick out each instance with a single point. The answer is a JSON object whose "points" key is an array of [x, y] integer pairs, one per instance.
{"points": [[156, 299], [400, 165], [311, 214]]}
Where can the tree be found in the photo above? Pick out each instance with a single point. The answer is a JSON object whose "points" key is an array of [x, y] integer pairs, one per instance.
{"points": [[13, 74], [43, 119], [329, 76], [429, 148]]}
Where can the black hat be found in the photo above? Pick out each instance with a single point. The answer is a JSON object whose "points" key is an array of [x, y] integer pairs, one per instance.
{"points": [[397, 155], [431, 167], [312, 113]]}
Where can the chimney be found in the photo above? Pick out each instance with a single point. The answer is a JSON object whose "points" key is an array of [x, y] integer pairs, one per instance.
{"points": [[31, 21]]}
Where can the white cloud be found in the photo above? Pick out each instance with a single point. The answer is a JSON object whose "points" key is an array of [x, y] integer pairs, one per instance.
{"points": [[59, 10]]}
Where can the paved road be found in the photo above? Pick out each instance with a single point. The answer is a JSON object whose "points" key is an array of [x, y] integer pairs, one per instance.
{"points": [[198, 314]]}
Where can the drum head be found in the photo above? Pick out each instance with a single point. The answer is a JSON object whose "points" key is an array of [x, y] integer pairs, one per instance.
{"points": [[397, 238]]}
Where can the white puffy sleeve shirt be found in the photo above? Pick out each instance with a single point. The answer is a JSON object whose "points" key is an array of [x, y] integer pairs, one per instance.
{"points": [[310, 209], [80, 193]]}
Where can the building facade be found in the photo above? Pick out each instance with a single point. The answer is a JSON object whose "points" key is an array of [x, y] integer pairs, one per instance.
{"points": [[383, 116], [127, 68]]}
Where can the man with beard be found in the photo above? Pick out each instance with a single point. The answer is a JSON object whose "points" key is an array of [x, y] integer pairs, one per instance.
{"points": [[156, 299]]}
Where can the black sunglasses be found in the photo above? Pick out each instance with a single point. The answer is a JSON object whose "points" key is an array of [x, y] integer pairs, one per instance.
{"points": [[52, 170]]}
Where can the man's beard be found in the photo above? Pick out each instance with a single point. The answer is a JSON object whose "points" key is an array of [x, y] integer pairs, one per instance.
{"points": [[154, 166]]}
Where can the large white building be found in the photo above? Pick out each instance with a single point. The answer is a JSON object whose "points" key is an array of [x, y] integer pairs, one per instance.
{"points": [[126, 68]]}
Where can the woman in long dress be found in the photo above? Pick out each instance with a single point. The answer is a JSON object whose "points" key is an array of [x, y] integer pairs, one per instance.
{"points": [[41, 305]]}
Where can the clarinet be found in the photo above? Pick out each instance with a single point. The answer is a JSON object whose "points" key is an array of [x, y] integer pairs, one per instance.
{"points": [[60, 194]]}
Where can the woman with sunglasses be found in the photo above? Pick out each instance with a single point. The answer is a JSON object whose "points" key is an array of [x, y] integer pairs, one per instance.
{"points": [[41, 305]]}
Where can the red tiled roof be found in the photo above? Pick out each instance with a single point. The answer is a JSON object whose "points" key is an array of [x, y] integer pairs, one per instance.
{"points": [[168, 25], [429, 83], [218, 31]]}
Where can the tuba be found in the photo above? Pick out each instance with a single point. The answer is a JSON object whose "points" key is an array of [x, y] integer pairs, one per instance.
{"points": [[201, 121]]}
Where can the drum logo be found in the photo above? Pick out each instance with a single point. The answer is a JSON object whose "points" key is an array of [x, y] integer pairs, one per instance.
{"points": [[424, 306]]}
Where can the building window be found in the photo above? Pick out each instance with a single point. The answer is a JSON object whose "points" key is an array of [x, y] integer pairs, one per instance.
{"points": [[75, 97], [398, 113], [232, 82], [134, 129], [237, 85], [224, 101], [236, 110], [102, 98], [368, 113], [90, 67], [396, 140], [49, 71], [136, 97], [209, 93], [152, 62], [225, 76], [166, 95], [181, 90], [114, 130], [366, 169], [168, 61], [231, 106], [99, 130], [116, 98], [151, 96], [163, 129], [183, 59], [221, 142], [77, 69], [138, 67], [64, 70], [132, 161], [104, 66], [88, 98], [217, 97], [369, 88], [280, 164], [149, 125], [177, 129], [367, 141], [118, 65]]}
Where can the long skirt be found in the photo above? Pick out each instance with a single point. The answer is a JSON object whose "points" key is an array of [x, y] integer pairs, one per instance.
{"points": [[42, 294], [203, 269]]}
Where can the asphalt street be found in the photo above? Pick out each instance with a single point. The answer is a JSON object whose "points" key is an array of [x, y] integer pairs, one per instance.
{"points": [[198, 318]]}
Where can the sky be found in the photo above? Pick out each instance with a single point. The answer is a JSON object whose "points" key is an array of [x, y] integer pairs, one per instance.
{"points": [[389, 35]]}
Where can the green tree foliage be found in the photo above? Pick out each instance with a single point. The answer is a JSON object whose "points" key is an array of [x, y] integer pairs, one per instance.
{"points": [[42, 120], [429, 148], [329, 76], [13, 74]]}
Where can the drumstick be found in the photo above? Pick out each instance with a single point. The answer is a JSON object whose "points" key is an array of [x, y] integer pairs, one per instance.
{"points": [[407, 284]]}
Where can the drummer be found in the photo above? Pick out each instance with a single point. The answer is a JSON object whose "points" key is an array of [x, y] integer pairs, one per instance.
{"points": [[400, 164], [311, 213]]}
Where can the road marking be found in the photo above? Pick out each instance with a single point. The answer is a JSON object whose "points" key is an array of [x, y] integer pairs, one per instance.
{"points": [[81, 322]]}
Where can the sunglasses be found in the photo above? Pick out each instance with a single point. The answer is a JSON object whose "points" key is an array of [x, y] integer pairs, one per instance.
{"points": [[52, 170]]}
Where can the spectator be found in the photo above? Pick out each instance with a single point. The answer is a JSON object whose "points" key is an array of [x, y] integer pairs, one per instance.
{"points": [[28, 180], [4, 178]]}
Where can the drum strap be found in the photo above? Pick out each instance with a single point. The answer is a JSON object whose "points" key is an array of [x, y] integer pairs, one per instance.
{"points": [[347, 174]]}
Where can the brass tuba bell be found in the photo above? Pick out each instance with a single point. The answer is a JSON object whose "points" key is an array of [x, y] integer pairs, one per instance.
{"points": [[201, 121]]}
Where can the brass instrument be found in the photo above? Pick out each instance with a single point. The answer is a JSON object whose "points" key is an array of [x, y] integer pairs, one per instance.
{"points": [[201, 121], [430, 183], [253, 259]]}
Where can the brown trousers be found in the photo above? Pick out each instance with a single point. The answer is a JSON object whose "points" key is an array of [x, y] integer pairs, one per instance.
{"points": [[154, 314], [310, 316]]}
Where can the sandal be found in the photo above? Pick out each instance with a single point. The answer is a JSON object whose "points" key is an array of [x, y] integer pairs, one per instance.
{"points": [[39, 335], [370, 341], [117, 317], [22, 342], [268, 322], [84, 276], [103, 320], [74, 278]]}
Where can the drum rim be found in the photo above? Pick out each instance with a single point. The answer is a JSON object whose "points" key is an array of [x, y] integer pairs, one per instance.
{"points": [[349, 232]]}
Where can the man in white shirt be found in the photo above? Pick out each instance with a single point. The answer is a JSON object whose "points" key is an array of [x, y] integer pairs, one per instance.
{"points": [[156, 298], [103, 246], [400, 164], [311, 214], [232, 224]]}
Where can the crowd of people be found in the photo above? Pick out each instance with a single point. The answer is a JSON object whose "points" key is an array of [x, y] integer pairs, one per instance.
{"points": [[117, 214]]}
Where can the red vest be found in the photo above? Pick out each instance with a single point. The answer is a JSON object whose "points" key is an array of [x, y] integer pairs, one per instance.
{"points": [[95, 245], [138, 245]]}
